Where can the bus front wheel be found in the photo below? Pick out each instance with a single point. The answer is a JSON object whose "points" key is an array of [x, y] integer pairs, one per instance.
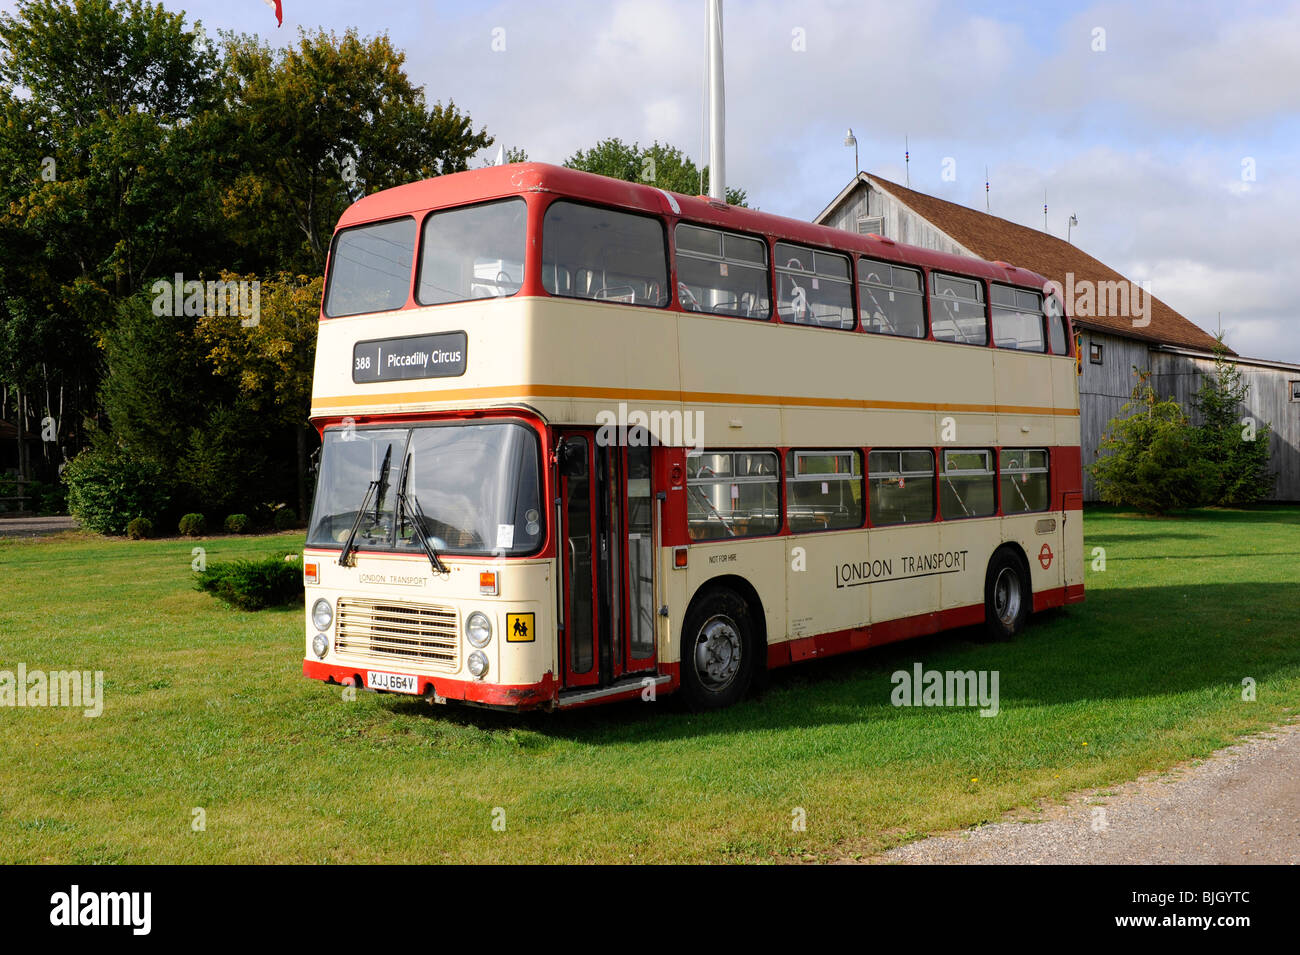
{"points": [[717, 663], [1008, 600]]}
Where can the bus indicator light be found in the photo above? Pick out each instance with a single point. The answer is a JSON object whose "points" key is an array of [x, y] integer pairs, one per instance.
{"points": [[487, 583], [679, 557], [310, 572]]}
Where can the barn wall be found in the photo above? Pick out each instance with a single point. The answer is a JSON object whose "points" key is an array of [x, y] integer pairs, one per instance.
{"points": [[901, 223], [1103, 391], [1268, 400]]}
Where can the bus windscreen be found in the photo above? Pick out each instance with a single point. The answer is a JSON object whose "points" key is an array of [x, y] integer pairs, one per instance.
{"points": [[475, 488]]}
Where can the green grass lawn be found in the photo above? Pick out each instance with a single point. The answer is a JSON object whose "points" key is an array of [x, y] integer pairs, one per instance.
{"points": [[206, 707]]}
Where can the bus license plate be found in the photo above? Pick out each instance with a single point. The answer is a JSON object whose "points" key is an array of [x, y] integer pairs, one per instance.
{"points": [[392, 682]]}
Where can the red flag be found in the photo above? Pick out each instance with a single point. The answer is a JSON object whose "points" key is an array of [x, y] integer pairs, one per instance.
{"points": [[279, 11]]}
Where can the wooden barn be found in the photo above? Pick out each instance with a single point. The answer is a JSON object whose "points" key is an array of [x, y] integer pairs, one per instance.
{"points": [[1119, 326]]}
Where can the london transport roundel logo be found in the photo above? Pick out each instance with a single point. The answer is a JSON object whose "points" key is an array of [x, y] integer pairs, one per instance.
{"points": [[1045, 556]]}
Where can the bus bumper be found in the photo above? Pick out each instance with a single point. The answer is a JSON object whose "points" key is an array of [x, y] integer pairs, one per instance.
{"points": [[442, 689]]}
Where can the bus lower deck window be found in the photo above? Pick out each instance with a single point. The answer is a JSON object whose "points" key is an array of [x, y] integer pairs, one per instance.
{"points": [[823, 490], [901, 486], [1024, 475], [732, 494], [967, 484]]}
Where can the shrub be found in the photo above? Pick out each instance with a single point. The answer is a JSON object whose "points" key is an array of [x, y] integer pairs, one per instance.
{"points": [[253, 584], [1152, 463], [52, 499], [108, 485], [139, 528], [237, 523], [1239, 453], [286, 519], [192, 525]]}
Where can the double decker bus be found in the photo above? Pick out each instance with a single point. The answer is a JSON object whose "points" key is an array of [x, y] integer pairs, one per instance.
{"points": [[586, 440]]}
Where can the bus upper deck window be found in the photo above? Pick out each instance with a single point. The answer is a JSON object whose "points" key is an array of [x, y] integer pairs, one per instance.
{"points": [[473, 252], [1018, 319], [370, 268], [1056, 325], [721, 272], [889, 299], [957, 310], [813, 287], [601, 254]]}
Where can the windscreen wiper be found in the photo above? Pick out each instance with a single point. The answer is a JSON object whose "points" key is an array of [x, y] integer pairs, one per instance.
{"points": [[380, 485], [411, 504]]}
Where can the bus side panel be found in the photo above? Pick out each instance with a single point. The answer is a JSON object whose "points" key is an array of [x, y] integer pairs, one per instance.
{"points": [[965, 547], [895, 546], [827, 589], [760, 561]]}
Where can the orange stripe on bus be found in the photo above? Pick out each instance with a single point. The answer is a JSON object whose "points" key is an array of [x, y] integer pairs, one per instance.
{"points": [[644, 394]]}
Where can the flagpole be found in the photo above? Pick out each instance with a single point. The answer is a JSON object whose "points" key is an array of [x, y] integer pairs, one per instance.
{"points": [[717, 107]]}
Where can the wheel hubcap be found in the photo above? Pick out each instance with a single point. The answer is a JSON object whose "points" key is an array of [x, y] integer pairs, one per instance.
{"points": [[1006, 596], [717, 653]]}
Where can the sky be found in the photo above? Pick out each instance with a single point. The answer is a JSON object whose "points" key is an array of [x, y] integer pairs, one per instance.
{"points": [[1171, 130]]}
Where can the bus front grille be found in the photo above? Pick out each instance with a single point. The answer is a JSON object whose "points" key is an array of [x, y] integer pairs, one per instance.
{"points": [[383, 631]]}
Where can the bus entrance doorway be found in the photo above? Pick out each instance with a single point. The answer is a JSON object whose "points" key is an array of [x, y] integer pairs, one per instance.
{"points": [[606, 560]]}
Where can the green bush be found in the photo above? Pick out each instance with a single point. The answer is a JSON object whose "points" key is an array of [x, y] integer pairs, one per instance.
{"points": [[109, 485], [140, 528], [192, 525], [286, 519], [51, 499], [1153, 464], [1238, 452], [254, 584], [237, 523]]}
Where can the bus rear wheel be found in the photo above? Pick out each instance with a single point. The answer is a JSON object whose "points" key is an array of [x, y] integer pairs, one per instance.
{"points": [[717, 664], [1008, 600]]}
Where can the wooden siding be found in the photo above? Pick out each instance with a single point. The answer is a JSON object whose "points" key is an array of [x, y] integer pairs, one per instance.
{"points": [[901, 223]]}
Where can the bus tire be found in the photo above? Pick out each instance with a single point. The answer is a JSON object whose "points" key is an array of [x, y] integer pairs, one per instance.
{"points": [[717, 660], [1008, 600]]}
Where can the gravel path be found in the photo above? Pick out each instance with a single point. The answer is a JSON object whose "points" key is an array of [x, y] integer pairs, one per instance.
{"points": [[1241, 805], [35, 526]]}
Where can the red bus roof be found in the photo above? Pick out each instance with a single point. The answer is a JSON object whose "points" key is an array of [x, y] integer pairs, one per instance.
{"points": [[496, 182]]}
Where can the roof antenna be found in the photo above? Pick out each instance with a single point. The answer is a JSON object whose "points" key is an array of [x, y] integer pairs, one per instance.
{"points": [[986, 190], [1044, 210], [907, 161]]}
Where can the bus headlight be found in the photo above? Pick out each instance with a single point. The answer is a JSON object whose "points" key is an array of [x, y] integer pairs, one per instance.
{"points": [[322, 614], [320, 645], [478, 630], [478, 664]]}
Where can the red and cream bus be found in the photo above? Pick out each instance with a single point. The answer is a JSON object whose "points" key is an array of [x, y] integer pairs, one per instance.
{"points": [[587, 440]]}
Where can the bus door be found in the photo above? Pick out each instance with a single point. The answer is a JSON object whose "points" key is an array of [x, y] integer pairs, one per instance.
{"points": [[606, 558]]}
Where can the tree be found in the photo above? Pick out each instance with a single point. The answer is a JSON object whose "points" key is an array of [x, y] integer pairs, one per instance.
{"points": [[659, 165], [317, 126], [270, 364], [1237, 446], [102, 181], [1152, 464]]}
